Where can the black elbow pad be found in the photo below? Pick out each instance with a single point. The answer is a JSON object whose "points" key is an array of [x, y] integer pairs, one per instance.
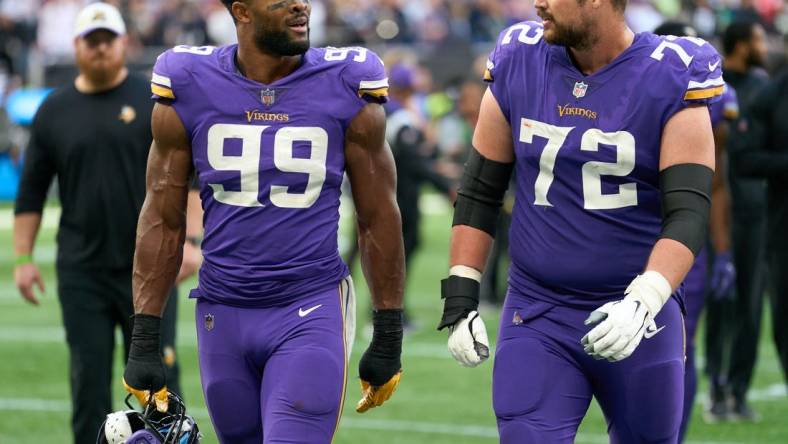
{"points": [[686, 203], [481, 192]]}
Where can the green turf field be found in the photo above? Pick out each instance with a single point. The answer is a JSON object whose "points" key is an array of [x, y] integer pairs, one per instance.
{"points": [[437, 401]]}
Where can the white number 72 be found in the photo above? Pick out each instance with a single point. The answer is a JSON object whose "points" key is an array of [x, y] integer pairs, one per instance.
{"points": [[592, 171]]}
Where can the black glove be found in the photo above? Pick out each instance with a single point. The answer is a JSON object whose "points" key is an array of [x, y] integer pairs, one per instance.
{"points": [[460, 296], [380, 367], [144, 376]]}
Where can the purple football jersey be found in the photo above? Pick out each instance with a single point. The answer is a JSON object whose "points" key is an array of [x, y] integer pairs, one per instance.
{"points": [[270, 160], [726, 108], [587, 147]]}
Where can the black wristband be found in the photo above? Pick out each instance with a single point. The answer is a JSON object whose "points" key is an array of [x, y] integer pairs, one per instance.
{"points": [[381, 361], [145, 338], [461, 296], [387, 331]]}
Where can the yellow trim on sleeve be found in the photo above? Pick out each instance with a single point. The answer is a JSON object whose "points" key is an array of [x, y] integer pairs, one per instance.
{"points": [[162, 91], [488, 76], [731, 114], [704, 93], [379, 92]]}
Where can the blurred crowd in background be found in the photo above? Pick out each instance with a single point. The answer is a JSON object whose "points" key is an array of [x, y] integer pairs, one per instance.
{"points": [[37, 33]]}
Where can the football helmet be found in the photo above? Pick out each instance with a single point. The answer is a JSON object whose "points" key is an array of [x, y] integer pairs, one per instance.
{"points": [[150, 426]]}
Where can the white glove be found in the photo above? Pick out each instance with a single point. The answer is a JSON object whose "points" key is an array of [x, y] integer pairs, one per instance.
{"points": [[468, 342], [622, 324]]}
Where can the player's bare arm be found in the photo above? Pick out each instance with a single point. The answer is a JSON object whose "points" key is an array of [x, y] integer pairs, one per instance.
{"points": [[492, 138], [482, 187], [723, 271], [719, 222], [370, 167], [160, 234], [687, 142]]}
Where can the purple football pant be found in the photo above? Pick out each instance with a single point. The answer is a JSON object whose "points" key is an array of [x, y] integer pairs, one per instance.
{"points": [[694, 296], [543, 381], [276, 374]]}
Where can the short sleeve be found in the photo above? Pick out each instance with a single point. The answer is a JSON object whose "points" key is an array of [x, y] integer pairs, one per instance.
{"points": [[704, 74], [172, 70], [161, 78], [499, 66], [730, 103], [365, 73], [39, 167]]}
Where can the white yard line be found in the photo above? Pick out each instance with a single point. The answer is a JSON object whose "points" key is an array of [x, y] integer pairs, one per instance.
{"points": [[422, 427], [50, 219]]}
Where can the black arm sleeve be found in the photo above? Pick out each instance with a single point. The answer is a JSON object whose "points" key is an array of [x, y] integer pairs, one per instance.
{"points": [[686, 202], [481, 192], [38, 170]]}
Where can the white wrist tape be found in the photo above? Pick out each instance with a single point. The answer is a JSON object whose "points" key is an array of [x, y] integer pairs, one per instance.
{"points": [[652, 289], [466, 272]]}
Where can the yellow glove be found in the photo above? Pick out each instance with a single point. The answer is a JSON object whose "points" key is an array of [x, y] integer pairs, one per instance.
{"points": [[160, 398], [372, 397]]}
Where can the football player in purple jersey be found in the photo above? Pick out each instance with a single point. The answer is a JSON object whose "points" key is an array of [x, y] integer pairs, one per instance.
{"points": [[610, 136], [719, 280], [269, 126]]}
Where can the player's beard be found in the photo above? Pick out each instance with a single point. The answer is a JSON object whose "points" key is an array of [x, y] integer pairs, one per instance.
{"points": [[279, 42], [578, 36]]}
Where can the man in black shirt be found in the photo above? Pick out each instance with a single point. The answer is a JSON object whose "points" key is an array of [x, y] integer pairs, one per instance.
{"points": [[764, 135], [732, 328], [95, 136]]}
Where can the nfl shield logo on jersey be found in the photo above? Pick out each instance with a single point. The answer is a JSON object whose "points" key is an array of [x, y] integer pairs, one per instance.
{"points": [[268, 96], [580, 89]]}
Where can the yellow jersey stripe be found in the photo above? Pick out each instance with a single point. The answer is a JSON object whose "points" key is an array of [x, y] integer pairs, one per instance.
{"points": [[703, 93], [379, 92], [487, 75], [162, 91]]}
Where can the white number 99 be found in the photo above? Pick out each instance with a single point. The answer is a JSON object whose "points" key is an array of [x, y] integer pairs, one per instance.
{"points": [[248, 163]]}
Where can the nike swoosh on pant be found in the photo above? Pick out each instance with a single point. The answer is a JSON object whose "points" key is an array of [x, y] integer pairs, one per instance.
{"points": [[302, 312]]}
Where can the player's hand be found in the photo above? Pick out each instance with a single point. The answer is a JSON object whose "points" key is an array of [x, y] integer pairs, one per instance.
{"points": [[468, 341], [620, 330], [25, 276], [621, 325], [723, 276], [192, 259], [144, 376], [380, 367]]}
